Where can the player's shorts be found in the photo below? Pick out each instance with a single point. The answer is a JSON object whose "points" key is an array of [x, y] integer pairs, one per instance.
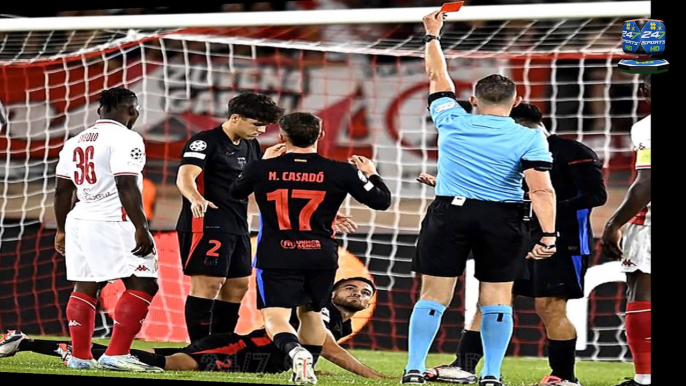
{"points": [[215, 254], [98, 251], [293, 288], [559, 276], [492, 232], [230, 352], [636, 246]]}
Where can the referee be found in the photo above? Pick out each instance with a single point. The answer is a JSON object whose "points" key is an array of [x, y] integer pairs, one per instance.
{"points": [[482, 159]]}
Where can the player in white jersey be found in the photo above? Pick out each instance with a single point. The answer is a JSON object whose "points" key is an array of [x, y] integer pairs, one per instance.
{"points": [[104, 235], [634, 250]]}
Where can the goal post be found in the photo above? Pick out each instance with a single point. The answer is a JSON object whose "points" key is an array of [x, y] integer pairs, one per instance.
{"points": [[362, 72]]}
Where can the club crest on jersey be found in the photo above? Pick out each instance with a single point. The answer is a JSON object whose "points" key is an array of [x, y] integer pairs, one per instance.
{"points": [[198, 145], [136, 153], [241, 162]]}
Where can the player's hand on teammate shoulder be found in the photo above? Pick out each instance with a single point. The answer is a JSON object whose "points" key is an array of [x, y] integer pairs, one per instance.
{"points": [[364, 164], [59, 243], [543, 249], [199, 207], [427, 179], [274, 151], [344, 224], [145, 245]]}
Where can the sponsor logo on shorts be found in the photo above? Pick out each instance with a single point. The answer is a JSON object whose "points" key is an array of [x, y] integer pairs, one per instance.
{"points": [[142, 268]]}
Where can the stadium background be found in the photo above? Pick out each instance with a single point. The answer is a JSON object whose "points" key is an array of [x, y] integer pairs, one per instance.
{"points": [[372, 105]]}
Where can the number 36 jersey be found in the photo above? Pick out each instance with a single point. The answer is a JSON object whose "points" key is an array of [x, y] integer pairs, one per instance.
{"points": [[92, 160]]}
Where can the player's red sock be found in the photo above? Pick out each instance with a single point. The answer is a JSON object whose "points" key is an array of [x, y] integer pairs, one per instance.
{"points": [[638, 335], [81, 317], [129, 315]]}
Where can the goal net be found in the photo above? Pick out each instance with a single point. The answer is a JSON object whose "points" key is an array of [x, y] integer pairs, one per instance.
{"points": [[366, 81]]}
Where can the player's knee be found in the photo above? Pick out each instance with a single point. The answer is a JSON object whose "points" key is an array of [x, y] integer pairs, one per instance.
{"points": [[551, 308], [234, 289], [206, 287], [181, 362]]}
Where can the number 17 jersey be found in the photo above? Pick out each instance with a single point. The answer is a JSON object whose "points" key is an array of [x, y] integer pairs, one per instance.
{"points": [[298, 196], [92, 160]]}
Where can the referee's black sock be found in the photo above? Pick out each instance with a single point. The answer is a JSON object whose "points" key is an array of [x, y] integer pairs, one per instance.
{"points": [[469, 351], [224, 317], [198, 317], [40, 346], [285, 341], [316, 352]]}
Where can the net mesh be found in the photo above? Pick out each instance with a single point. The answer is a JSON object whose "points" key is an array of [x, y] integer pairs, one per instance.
{"points": [[368, 85]]}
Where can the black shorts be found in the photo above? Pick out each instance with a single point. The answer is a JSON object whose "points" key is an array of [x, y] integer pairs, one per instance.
{"points": [[293, 288], [559, 276], [230, 352], [215, 254], [493, 232]]}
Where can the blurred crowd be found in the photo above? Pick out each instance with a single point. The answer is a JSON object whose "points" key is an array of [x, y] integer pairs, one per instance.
{"points": [[517, 36]]}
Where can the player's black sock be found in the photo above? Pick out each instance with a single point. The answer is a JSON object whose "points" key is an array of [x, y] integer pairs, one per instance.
{"points": [[316, 352], [40, 346], [224, 317], [167, 351], [561, 357], [198, 317], [469, 351], [150, 358], [285, 342]]}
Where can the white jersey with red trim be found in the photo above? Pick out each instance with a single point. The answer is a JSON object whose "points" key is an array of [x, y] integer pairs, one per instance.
{"points": [[93, 159], [640, 139]]}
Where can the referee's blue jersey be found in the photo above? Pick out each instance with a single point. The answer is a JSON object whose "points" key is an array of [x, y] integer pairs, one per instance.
{"points": [[480, 156]]}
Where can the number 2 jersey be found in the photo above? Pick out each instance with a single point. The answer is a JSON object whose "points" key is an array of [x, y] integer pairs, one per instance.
{"points": [[640, 139], [298, 196], [93, 159]]}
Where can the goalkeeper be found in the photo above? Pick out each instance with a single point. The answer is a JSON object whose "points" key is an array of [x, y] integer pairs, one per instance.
{"points": [[231, 352]]}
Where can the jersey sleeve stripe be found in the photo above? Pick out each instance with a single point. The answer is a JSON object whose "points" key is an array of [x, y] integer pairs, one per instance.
{"points": [[193, 154], [126, 174], [63, 176]]}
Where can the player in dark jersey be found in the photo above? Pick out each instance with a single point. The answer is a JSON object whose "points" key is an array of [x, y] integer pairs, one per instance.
{"points": [[212, 227], [231, 352], [299, 194], [579, 186]]}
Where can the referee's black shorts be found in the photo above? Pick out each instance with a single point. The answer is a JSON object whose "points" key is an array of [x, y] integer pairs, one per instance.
{"points": [[493, 232]]}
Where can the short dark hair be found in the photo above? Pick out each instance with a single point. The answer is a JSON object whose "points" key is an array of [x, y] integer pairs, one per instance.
{"points": [[302, 129], [255, 106], [356, 278], [495, 89], [526, 112], [111, 98]]}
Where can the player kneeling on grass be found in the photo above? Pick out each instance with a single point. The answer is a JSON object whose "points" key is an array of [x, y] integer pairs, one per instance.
{"points": [[231, 352]]}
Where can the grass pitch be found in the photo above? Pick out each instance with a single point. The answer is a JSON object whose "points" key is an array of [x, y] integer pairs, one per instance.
{"points": [[516, 371]]}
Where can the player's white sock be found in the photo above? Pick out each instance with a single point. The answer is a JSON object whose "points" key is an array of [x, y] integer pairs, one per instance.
{"points": [[643, 379]]}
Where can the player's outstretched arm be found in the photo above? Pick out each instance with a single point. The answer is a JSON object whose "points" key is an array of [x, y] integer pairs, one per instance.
{"points": [[185, 181], [339, 356], [436, 66], [63, 203], [366, 185]]}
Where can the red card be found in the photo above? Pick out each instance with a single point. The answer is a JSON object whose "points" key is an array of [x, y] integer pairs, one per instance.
{"points": [[452, 7]]}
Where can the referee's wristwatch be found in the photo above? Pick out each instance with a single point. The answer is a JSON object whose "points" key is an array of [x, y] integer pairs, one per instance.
{"points": [[427, 38]]}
